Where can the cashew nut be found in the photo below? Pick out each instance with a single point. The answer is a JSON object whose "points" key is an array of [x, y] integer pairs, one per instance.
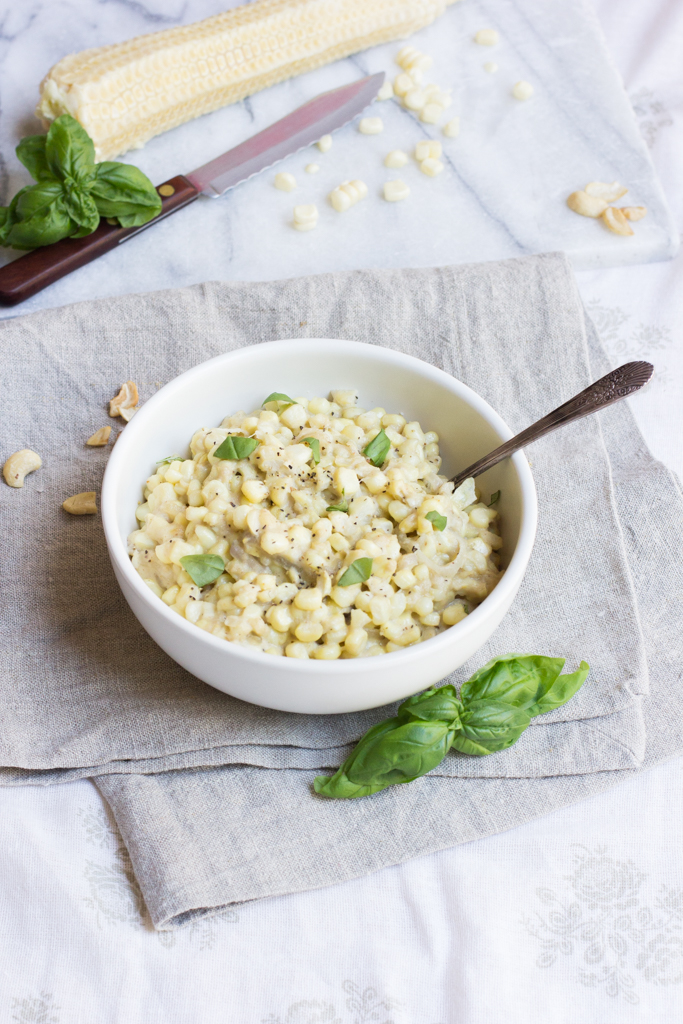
{"points": [[20, 465], [616, 222], [99, 438], [81, 504], [588, 206], [610, 192], [633, 212], [124, 403]]}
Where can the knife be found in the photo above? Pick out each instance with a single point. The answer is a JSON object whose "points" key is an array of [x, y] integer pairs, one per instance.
{"points": [[39, 268]]}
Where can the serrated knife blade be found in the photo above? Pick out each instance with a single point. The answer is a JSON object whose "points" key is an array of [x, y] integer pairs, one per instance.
{"points": [[304, 126], [320, 116]]}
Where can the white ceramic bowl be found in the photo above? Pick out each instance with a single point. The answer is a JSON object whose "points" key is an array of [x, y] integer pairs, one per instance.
{"points": [[468, 428]]}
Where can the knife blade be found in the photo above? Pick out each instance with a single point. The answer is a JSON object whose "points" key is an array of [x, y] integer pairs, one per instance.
{"points": [[304, 126], [320, 116]]}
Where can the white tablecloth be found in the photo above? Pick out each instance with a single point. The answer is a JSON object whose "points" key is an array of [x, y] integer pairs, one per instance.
{"points": [[576, 918]]}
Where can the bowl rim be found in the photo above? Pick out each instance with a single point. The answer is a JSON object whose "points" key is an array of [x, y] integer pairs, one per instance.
{"points": [[511, 577]]}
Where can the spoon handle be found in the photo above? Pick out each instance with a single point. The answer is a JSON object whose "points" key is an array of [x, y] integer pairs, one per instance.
{"points": [[617, 384]]}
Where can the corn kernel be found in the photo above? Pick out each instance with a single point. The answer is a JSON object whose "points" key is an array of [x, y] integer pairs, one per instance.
{"points": [[395, 159], [431, 167], [486, 37], [305, 217], [453, 613], [284, 181], [370, 126], [394, 191], [254, 490]]}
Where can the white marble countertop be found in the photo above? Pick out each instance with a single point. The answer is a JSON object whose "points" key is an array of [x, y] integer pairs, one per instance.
{"points": [[502, 192]]}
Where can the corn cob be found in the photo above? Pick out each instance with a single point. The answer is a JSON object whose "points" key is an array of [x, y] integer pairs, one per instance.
{"points": [[125, 94]]}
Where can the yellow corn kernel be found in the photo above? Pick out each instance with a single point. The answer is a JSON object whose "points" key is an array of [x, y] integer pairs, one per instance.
{"points": [[308, 632], [453, 613], [309, 600]]}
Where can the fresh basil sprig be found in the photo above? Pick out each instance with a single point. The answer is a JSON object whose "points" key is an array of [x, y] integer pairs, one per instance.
{"points": [[169, 459], [358, 572], [378, 449], [314, 444], [236, 447], [341, 506], [439, 522], [203, 569], [72, 192], [494, 708], [494, 498]]}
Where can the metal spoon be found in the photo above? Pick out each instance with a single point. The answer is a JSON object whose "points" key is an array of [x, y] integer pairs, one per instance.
{"points": [[609, 389]]}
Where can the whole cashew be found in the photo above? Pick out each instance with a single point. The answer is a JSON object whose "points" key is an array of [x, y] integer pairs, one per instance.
{"points": [[20, 465], [82, 504]]}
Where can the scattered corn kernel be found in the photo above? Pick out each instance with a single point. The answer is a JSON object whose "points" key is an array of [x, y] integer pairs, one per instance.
{"points": [[403, 84], [397, 158], [411, 59], [395, 190], [428, 148], [386, 92], [486, 37], [312, 168], [347, 194], [324, 144], [305, 217], [431, 167], [452, 129], [370, 125], [522, 90], [431, 113], [285, 181], [491, 67], [415, 99]]}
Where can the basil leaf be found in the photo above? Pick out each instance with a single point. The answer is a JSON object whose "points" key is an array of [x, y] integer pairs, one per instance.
{"points": [[314, 444], [562, 690], [517, 679], [124, 192], [494, 498], [203, 569], [378, 449], [439, 522], [488, 726], [31, 152], [278, 397], [391, 752], [81, 208], [69, 150], [342, 506], [169, 459], [435, 705], [358, 572], [37, 216], [236, 447]]}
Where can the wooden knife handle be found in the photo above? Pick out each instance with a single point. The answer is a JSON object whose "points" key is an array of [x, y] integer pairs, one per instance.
{"points": [[40, 267]]}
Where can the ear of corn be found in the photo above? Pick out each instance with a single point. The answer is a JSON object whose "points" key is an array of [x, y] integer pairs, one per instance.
{"points": [[125, 94]]}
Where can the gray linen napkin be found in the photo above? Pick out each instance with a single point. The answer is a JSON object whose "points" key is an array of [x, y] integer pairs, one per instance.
{"points": [[202, 840], [89, 693]]}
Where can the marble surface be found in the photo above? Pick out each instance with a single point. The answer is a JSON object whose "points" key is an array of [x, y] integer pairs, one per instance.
{"points": [[501, 194]]}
